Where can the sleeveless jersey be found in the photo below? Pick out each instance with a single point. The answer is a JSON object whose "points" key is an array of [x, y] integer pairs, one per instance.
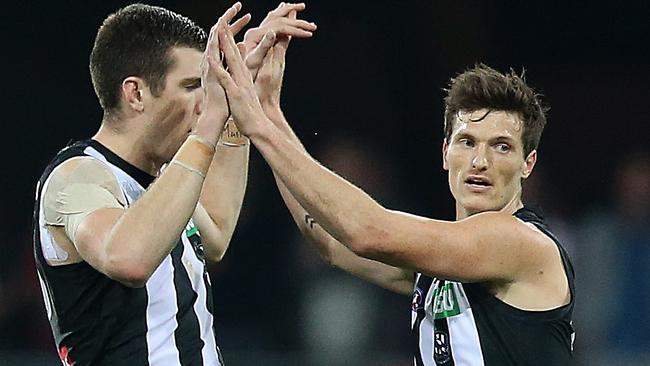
{"points": [[456, 323], [99, 321]]}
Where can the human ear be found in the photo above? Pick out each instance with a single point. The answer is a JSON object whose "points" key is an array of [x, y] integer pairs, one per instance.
{"points": [[529, 164], [132, 93]]}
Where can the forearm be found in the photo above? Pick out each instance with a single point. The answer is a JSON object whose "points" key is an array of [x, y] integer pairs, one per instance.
{"points": [[148, 230], [222, 196], [336, 254], [343, 210]]}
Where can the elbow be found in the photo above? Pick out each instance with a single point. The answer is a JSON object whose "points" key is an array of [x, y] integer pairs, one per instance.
{"points": [[215, 246], [132, 279], [215, 255], [367, 238], [367, 242], [362, 247], [129, 274]]}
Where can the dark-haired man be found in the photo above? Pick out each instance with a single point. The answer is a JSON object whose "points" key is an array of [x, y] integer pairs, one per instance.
{"points": [[119, 256], [493, 287]]}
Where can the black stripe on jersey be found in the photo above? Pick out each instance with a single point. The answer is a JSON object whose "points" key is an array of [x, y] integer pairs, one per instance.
{"points": [[187, 334], [442, 354], [422, 287]]}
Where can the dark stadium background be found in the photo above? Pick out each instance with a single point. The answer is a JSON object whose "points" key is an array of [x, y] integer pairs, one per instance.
{"points": [[365, 96]]}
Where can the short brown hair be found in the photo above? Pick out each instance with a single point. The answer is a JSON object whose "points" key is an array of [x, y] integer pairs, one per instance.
{"points": [[136, 41], [482, 87]]}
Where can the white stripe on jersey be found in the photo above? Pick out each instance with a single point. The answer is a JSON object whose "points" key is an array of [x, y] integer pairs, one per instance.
{"points": [[467, 352], [161, 315], [463, 333], [194, 268]]}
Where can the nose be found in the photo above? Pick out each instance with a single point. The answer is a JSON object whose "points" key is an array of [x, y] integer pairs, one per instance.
{"points": [[480, 161]]}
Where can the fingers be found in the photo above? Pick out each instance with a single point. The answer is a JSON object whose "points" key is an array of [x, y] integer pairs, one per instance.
{"points": [[296, 28], [212, 49], [227, 17], [233, 59], [283, 42], [242, 50], [225, 80], [267, 63], [285, 8], [281, 27], [213, 46], [238, 25], [255, 59]]}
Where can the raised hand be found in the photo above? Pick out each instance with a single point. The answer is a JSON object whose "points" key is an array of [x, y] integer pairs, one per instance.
{"points": [[215, 106], [282, 22], [238, 85], [271, 73]]}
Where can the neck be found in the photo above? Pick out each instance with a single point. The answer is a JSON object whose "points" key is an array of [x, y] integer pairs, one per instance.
{"points": [[128, 144], [510, 208]]}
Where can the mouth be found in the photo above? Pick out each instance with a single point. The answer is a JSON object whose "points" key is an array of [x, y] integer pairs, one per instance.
{"points": [[477, 183]]}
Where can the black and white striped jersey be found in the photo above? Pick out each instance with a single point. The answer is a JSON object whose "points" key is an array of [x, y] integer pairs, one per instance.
{"points": [[463, 324], [98, 321]]}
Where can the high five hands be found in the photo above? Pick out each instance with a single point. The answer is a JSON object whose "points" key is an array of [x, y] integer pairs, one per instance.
{"points": [[260, 56]]}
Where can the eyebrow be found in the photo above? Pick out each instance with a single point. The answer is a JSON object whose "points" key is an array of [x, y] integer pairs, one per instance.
{"points": [[190, 81], [507, 139], [464, 135], [503, 139]]}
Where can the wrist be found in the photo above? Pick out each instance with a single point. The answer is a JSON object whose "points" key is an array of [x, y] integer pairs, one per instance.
{"points": [[195, 155], [209, 128], [271, 105], [262, 130], [273, 112], [231, 136]]}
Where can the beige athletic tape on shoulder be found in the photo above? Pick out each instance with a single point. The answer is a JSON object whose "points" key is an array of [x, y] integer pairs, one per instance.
{"points": [[79, 189], [78, 200]]}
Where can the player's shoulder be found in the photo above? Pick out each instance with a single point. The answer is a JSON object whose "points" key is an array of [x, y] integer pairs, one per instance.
{"points": [[80, 170], [509, 227], [84, 168]]}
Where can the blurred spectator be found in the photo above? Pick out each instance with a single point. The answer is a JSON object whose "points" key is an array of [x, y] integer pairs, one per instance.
{"points": [[344, 319], [614, 288]]}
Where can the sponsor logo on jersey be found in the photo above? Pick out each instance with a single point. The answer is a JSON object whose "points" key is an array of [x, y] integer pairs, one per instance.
{"points": [[191, 230], [445, 302], [441, 347], [417, 302]]}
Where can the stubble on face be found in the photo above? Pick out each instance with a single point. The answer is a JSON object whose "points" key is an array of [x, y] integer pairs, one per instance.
{"points": [[170, 129]]}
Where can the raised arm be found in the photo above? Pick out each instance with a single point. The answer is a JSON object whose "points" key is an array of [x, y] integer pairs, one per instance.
{"points": [[491, 246], [128, 244], [269, 84], [225, 184]]}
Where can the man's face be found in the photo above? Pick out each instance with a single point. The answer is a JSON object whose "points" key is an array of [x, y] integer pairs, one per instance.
{"points": [[176, 110], [485, 161]]}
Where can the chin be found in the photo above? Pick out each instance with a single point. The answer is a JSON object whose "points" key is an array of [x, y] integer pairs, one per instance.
{"points": [[475, 206]]}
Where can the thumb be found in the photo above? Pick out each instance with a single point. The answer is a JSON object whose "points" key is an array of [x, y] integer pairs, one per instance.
{"points": [[241, 46], [255, 58]]}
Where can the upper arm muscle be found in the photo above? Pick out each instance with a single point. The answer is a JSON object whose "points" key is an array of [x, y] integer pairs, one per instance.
{"points": [[487, 246]]}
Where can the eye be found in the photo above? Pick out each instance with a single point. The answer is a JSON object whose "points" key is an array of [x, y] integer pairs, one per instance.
{"points": [[466, 142], [502, 147], [193, 87]]}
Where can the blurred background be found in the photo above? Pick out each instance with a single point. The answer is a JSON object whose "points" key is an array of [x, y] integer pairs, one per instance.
{"points": [[365, 96]]}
